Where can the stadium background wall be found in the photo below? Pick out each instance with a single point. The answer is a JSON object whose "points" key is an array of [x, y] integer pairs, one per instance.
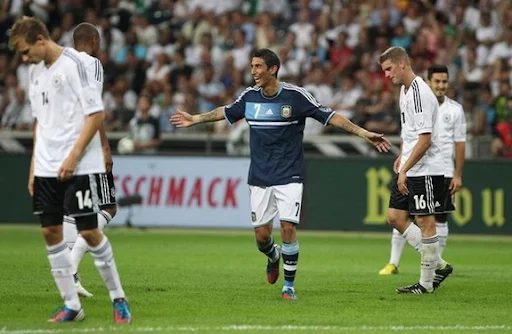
{"points": [[340, 194]]}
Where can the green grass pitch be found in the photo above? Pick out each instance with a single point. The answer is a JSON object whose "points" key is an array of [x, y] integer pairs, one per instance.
{"points": [[213, 281]]}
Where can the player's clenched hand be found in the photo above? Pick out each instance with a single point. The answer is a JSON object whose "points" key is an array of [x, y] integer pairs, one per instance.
{"points": [[402, 184], [455, 185], [181, 119], [67, 168], [378, 140]]}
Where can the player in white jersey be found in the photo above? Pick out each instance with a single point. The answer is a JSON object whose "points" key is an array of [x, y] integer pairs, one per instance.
{"points": [[451, 125], [86, 39], [418, 187], [67, 163]]}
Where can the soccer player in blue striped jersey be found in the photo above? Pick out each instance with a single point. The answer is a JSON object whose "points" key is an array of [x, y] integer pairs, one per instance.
{"points": [[276, 113]]}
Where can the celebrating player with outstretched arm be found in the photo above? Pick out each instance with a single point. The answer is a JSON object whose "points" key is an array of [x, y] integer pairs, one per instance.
{"points": [[276, 113], [418, 188], [67, 166]]}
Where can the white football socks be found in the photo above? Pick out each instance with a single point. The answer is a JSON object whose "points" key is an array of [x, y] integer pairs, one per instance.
{"points": [[429, 261], [104, 261], [442, 232], [62, 271], [397, 247]]}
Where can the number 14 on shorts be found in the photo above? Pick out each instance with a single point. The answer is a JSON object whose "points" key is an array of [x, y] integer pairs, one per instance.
{"points": [[84, 199]]}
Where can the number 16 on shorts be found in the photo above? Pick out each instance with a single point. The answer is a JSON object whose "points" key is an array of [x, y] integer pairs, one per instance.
{"points": [[284, 201]]}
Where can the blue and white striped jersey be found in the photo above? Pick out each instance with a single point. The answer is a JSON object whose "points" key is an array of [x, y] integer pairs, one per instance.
{"points": [[277, 129]]}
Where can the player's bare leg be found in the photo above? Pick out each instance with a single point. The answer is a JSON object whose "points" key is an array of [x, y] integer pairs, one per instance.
{"points": [[290, 255], [266, 245]]}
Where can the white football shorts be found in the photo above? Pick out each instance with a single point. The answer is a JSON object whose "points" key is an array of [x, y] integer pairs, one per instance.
{"points": [[267, 202]]}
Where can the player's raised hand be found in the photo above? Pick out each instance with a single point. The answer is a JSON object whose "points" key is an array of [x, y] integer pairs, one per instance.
{"points": [[182, 119], [378, 141]]}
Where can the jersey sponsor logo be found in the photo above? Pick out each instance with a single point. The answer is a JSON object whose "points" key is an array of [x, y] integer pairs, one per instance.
{"points": [[447, 118], [286, 111], [57, 80], [269, 112]]}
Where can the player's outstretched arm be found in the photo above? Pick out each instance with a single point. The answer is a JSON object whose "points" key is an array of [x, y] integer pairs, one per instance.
{"points": [[376, 139], [183, 119]]}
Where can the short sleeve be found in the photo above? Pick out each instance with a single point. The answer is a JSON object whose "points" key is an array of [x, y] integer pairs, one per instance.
{"points": [[236, 110], [84, 86], [308, 106], [424, 109], [460, 128]]}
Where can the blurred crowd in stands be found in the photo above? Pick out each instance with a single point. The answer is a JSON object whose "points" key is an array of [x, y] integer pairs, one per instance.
{"points": [[160, 55]]}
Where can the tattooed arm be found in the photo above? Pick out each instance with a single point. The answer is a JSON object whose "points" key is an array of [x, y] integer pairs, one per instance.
{"points": [[183, 120], [345, 124], [376, 139]]}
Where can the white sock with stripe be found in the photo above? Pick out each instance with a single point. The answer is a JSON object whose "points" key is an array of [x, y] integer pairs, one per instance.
{"points": [[442, 232], [81, 247], [62, 271], [429, 260], [413, 236], [104, 261]]}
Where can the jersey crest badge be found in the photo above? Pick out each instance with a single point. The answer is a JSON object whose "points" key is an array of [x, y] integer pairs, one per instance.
{"points": [[57, 80], [286, 111]]}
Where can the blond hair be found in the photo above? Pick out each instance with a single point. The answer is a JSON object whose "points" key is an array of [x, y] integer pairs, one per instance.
{"points": [[395, 54], [28, 29]]}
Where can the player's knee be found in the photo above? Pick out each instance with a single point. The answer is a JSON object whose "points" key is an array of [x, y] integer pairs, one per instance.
{"points": [[92, 237], [426, 223], [262, 234], [393, 219], [52, 234]]}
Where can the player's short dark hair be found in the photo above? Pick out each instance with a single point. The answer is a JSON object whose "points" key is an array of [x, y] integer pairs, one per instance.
{"points": [[85, 32], [395, 54], [269, 57], [27, 28], [436, 69]]}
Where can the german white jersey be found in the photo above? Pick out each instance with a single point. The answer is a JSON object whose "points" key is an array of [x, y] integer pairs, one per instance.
{"points": [[61, 97], [419, 108], [451, 127]]}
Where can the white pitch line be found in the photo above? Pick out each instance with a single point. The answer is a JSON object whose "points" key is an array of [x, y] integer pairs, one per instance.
{"points": [[242, 328]]}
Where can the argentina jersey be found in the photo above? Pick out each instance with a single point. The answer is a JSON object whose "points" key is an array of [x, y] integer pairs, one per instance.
{"points": [[276, 131]]}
